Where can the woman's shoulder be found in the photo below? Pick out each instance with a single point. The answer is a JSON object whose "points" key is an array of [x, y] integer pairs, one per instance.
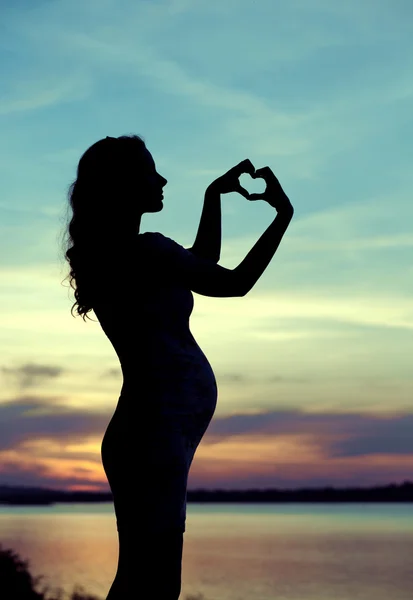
{"points": [[147, 235], [156, 239]]}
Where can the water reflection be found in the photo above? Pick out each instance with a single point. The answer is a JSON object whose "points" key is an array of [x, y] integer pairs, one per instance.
{"points": [[231, 552]]}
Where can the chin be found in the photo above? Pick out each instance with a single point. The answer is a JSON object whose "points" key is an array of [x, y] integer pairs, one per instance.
{"points": [[155, 208]]}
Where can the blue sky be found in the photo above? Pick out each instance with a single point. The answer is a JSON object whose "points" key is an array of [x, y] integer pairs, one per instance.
{"points": [[321, 92]]}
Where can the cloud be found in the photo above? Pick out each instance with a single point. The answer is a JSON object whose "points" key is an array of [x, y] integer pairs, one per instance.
{"points": [[46, 93], [376, 436], [339, 435], [41, 442], [246, 379], [28, 418], [254, 119], [233, 378], [267, 314], [23, 472], [31, 374], [114, 372]]}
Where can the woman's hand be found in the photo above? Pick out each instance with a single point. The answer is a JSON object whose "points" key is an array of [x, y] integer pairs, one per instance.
{"points": [[273, 194], [229, 182]]}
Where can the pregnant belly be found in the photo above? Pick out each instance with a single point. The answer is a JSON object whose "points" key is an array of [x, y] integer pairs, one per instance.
{"points": [[187, 380], [176, 400], [174, 374]]}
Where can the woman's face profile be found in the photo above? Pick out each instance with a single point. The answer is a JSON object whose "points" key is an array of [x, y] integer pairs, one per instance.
{"points": [[150, 184]]}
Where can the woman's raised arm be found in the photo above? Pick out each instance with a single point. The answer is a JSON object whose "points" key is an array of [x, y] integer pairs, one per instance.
{"points": [[258, 258]]}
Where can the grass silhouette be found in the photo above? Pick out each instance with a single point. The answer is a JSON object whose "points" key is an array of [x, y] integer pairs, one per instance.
{"points": [[17, 583]]}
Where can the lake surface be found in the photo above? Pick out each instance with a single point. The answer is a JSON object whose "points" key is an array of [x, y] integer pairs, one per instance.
{"points": [[234, 551]]}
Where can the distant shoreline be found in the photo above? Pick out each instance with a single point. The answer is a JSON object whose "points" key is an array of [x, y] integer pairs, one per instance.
{"points": [[25, 496]]}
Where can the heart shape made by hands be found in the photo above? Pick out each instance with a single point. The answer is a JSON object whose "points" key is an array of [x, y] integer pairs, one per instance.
{"points": [[254, 184]]}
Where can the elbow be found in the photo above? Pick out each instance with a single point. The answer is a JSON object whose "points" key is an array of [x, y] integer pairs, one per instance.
{"points": [[238, 285], [242, 290]]}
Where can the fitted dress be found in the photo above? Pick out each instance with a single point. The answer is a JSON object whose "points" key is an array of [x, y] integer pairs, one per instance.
{"points": [[169, 392]]}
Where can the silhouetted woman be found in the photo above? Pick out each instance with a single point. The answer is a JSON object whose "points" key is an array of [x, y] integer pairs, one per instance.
{"points": [[140, 288]]}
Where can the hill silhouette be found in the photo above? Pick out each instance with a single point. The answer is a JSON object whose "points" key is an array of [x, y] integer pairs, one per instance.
{"points": [[20, 495]]}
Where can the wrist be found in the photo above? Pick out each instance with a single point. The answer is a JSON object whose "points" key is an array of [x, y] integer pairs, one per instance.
{"points": [[212, 190], [286, 214]]}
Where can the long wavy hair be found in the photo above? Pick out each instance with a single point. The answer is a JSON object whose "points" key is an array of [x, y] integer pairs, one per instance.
{"points": [[104, 203]]}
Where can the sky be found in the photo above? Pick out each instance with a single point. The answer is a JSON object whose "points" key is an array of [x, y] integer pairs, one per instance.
{"points": [[314, 364]]}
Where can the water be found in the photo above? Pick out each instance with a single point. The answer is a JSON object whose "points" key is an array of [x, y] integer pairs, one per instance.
{"points": [[232, 551]]}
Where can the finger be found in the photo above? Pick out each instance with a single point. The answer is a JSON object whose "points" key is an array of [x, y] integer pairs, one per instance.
{"points": [[260, 173], [246, 166], [243, 192], [238, 188], [249, 167], [255, 197]]}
